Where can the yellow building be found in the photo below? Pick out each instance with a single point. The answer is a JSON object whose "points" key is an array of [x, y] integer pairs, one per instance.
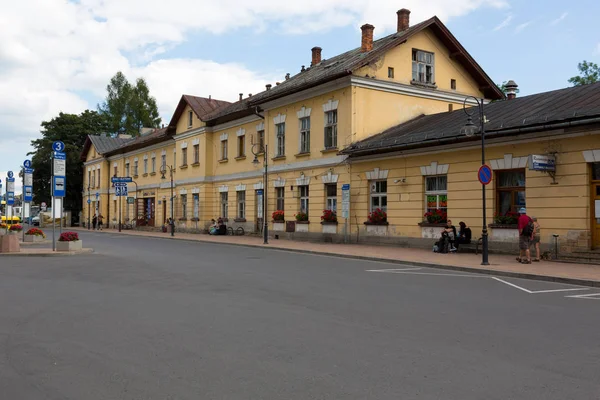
{"points": [[358, 119]]}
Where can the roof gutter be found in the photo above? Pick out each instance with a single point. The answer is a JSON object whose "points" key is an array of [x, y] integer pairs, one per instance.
{"points": [[257, 113], [507, 132]]}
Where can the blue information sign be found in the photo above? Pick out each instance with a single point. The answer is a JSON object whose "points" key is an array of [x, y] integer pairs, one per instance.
{"points": [[89, 201], [10, 175], [346, 186], [58, 186], [259, 192], [58, 146], [27, 163], [123, 179], [120, 191], [485, 174]]}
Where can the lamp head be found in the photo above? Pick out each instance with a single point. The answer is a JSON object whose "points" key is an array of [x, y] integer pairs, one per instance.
{"points": [[470, 128]]}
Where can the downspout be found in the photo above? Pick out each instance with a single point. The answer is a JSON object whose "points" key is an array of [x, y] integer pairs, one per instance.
{"points": [[257, 113]]}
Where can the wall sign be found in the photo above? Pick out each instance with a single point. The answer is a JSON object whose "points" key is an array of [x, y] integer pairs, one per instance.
{"points": [[542, 162]]}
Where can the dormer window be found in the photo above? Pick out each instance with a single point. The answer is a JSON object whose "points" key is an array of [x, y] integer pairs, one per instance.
{"points": [[422, 67]]}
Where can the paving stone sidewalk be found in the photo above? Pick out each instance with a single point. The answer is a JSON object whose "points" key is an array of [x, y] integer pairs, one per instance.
{"points": [[584, 274]]}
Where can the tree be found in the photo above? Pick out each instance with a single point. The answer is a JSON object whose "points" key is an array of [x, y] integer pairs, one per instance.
{"points": [[72, 130], [129, 108], [589, 72]]}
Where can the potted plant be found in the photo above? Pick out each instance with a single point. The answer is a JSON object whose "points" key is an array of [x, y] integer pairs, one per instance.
{"points": [[377, 222], [278, 220], [14, 229], [34, 235], [301, 221], [329, 221], [69, 241], [504, 228], [3, 229], [509, 218], [433, 223], [436, 216]]}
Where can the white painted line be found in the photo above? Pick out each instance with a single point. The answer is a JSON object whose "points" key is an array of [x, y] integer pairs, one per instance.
{"points": [[558, 290], [591, 296], [393, 269], [512, 284], [434, 274]]}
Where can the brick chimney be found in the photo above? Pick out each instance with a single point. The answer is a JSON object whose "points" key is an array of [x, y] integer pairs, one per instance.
{"points": [[268, 86], [403, 19], [367, 37], [316, 56], [241, 96], [511, 89]]}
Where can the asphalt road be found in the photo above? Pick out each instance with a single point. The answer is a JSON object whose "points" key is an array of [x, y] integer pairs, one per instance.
{"points": [[159, 319]]}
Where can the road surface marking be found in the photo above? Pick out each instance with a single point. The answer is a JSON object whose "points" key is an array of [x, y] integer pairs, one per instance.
{"points": [[393, 269], [434, 274], [591, 296], [538, 291], [512, 284]]}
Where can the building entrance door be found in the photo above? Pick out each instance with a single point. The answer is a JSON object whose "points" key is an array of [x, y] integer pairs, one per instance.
{"points": [[259, 212], [164, 211], [595, 206]]}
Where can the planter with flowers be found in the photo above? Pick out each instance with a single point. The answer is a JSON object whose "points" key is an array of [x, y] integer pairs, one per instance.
{"points": [[9, 241], [377, 224], [15, 228], [3, 229], [34, 235], [69, 241], [433, 223], [278, 221], [329, 221], [504, 228], [301, 221]]}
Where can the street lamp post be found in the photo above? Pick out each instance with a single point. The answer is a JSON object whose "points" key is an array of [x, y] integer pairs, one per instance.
{"points": [[469, 130], [257, 149], [163, 171]]}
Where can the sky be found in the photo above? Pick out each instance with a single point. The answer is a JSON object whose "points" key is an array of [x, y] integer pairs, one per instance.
{"points": [[58, 55]]}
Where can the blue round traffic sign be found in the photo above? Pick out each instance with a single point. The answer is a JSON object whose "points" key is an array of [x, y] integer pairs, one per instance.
{"points": [[485, 174], [27, 163], [58, 146], [89, 201], [10, 174]]}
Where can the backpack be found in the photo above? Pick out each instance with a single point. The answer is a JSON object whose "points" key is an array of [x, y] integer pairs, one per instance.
{"points": [[528, 230]]}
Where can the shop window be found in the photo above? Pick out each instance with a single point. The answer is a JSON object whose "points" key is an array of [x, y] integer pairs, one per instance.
{"points": [[510, 190], [436, 193], [378, 195], [224, 206], [280, 198], [331, 197]]}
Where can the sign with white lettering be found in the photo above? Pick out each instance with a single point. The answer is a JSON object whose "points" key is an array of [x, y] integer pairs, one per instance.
{"points": [[345, 200], [542, 162]]}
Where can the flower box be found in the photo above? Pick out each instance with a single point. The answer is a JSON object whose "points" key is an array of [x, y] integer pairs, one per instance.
{"points": [[75, 245], [33, 239], [9, 244], [278, 226], [329, 227], [302, 226], [504, 232], [431, 230], [377, 229]]}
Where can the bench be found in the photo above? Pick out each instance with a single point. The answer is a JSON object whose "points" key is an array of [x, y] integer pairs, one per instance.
{"points": [[474, 245]]}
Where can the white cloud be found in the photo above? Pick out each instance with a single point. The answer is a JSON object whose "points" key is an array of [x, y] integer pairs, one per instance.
{"points": [[52, 50], [559, 19], [504, 23], [522, 27]]}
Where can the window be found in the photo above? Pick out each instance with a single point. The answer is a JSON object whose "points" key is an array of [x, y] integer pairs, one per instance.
{"points": [[115, 171], [331, 129], [224, 206], [184, 156], [390, 72], [127, 169], [422, 67], [89, 182], [331, 197], [175, 158], [510, 190], [145, 165], [153, 164], [163, 162], [436, 193], [98, 180], [261, 139], [280, 199], [190, 119], [241, 204], [453, 84], [135, 168], [596, 171], [303, 198], [196, 154], [450, 107], [280, 131], [184, 206], [378, 195], [241, 146], [196, 201], [305, 135], [223, 149]]}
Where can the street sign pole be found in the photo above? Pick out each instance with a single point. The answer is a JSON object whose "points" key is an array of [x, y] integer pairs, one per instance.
{"points": [[52, 213], [120, 201], [59, 184]]}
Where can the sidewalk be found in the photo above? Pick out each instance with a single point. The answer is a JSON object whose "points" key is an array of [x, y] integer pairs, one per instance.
{"points": [[502, 265]]}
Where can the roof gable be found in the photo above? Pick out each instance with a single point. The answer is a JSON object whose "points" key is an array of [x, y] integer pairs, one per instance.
{"points": [[102, 144], [201, 106]]}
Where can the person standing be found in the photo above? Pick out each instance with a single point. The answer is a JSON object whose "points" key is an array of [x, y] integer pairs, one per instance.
{"points": [[100, 221], [525, 226], [94, 221], [536, 238]]}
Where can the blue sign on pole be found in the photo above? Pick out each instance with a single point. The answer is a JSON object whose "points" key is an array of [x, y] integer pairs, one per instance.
{"points": [[10, 189], [120, 191], [485, 174], [97, 195], [89, 201], [124, 179], [259, 192], [27, 163], [58, 146], [10, 175], [58, 186], [346, 186]]}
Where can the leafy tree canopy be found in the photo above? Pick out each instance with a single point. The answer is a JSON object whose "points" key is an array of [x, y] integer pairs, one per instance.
{"points": [[128, 107], [589, 72]]}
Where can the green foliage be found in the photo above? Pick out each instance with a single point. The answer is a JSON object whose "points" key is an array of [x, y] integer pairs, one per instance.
{"points": [[72, 130], [129, 107], [589, 72]]}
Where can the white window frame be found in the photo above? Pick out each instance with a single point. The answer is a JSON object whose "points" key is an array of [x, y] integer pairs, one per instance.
{"points": [[224, 146], [280, 139], [145, 165], [241, 204], [184, 156], [260, 139], [304, 194], [331, 200], [163, 162], [153, 166], [196, 204], [376, 192], [421, 60], [304, 134], [224, 204], [183, 205], [135, 168], [127, 169], [241, 143], [438, 188], [330, 130], [280, 200], [196, 154]]}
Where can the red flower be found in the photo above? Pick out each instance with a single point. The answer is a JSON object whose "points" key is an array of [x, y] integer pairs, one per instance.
{"points": [[278, 215], [68, 237], [377, 216], [329, 216], [15, 228]]}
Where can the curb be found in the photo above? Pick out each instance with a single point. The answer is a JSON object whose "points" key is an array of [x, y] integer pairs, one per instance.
{"points": [[54, 254], [481, 271]]}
